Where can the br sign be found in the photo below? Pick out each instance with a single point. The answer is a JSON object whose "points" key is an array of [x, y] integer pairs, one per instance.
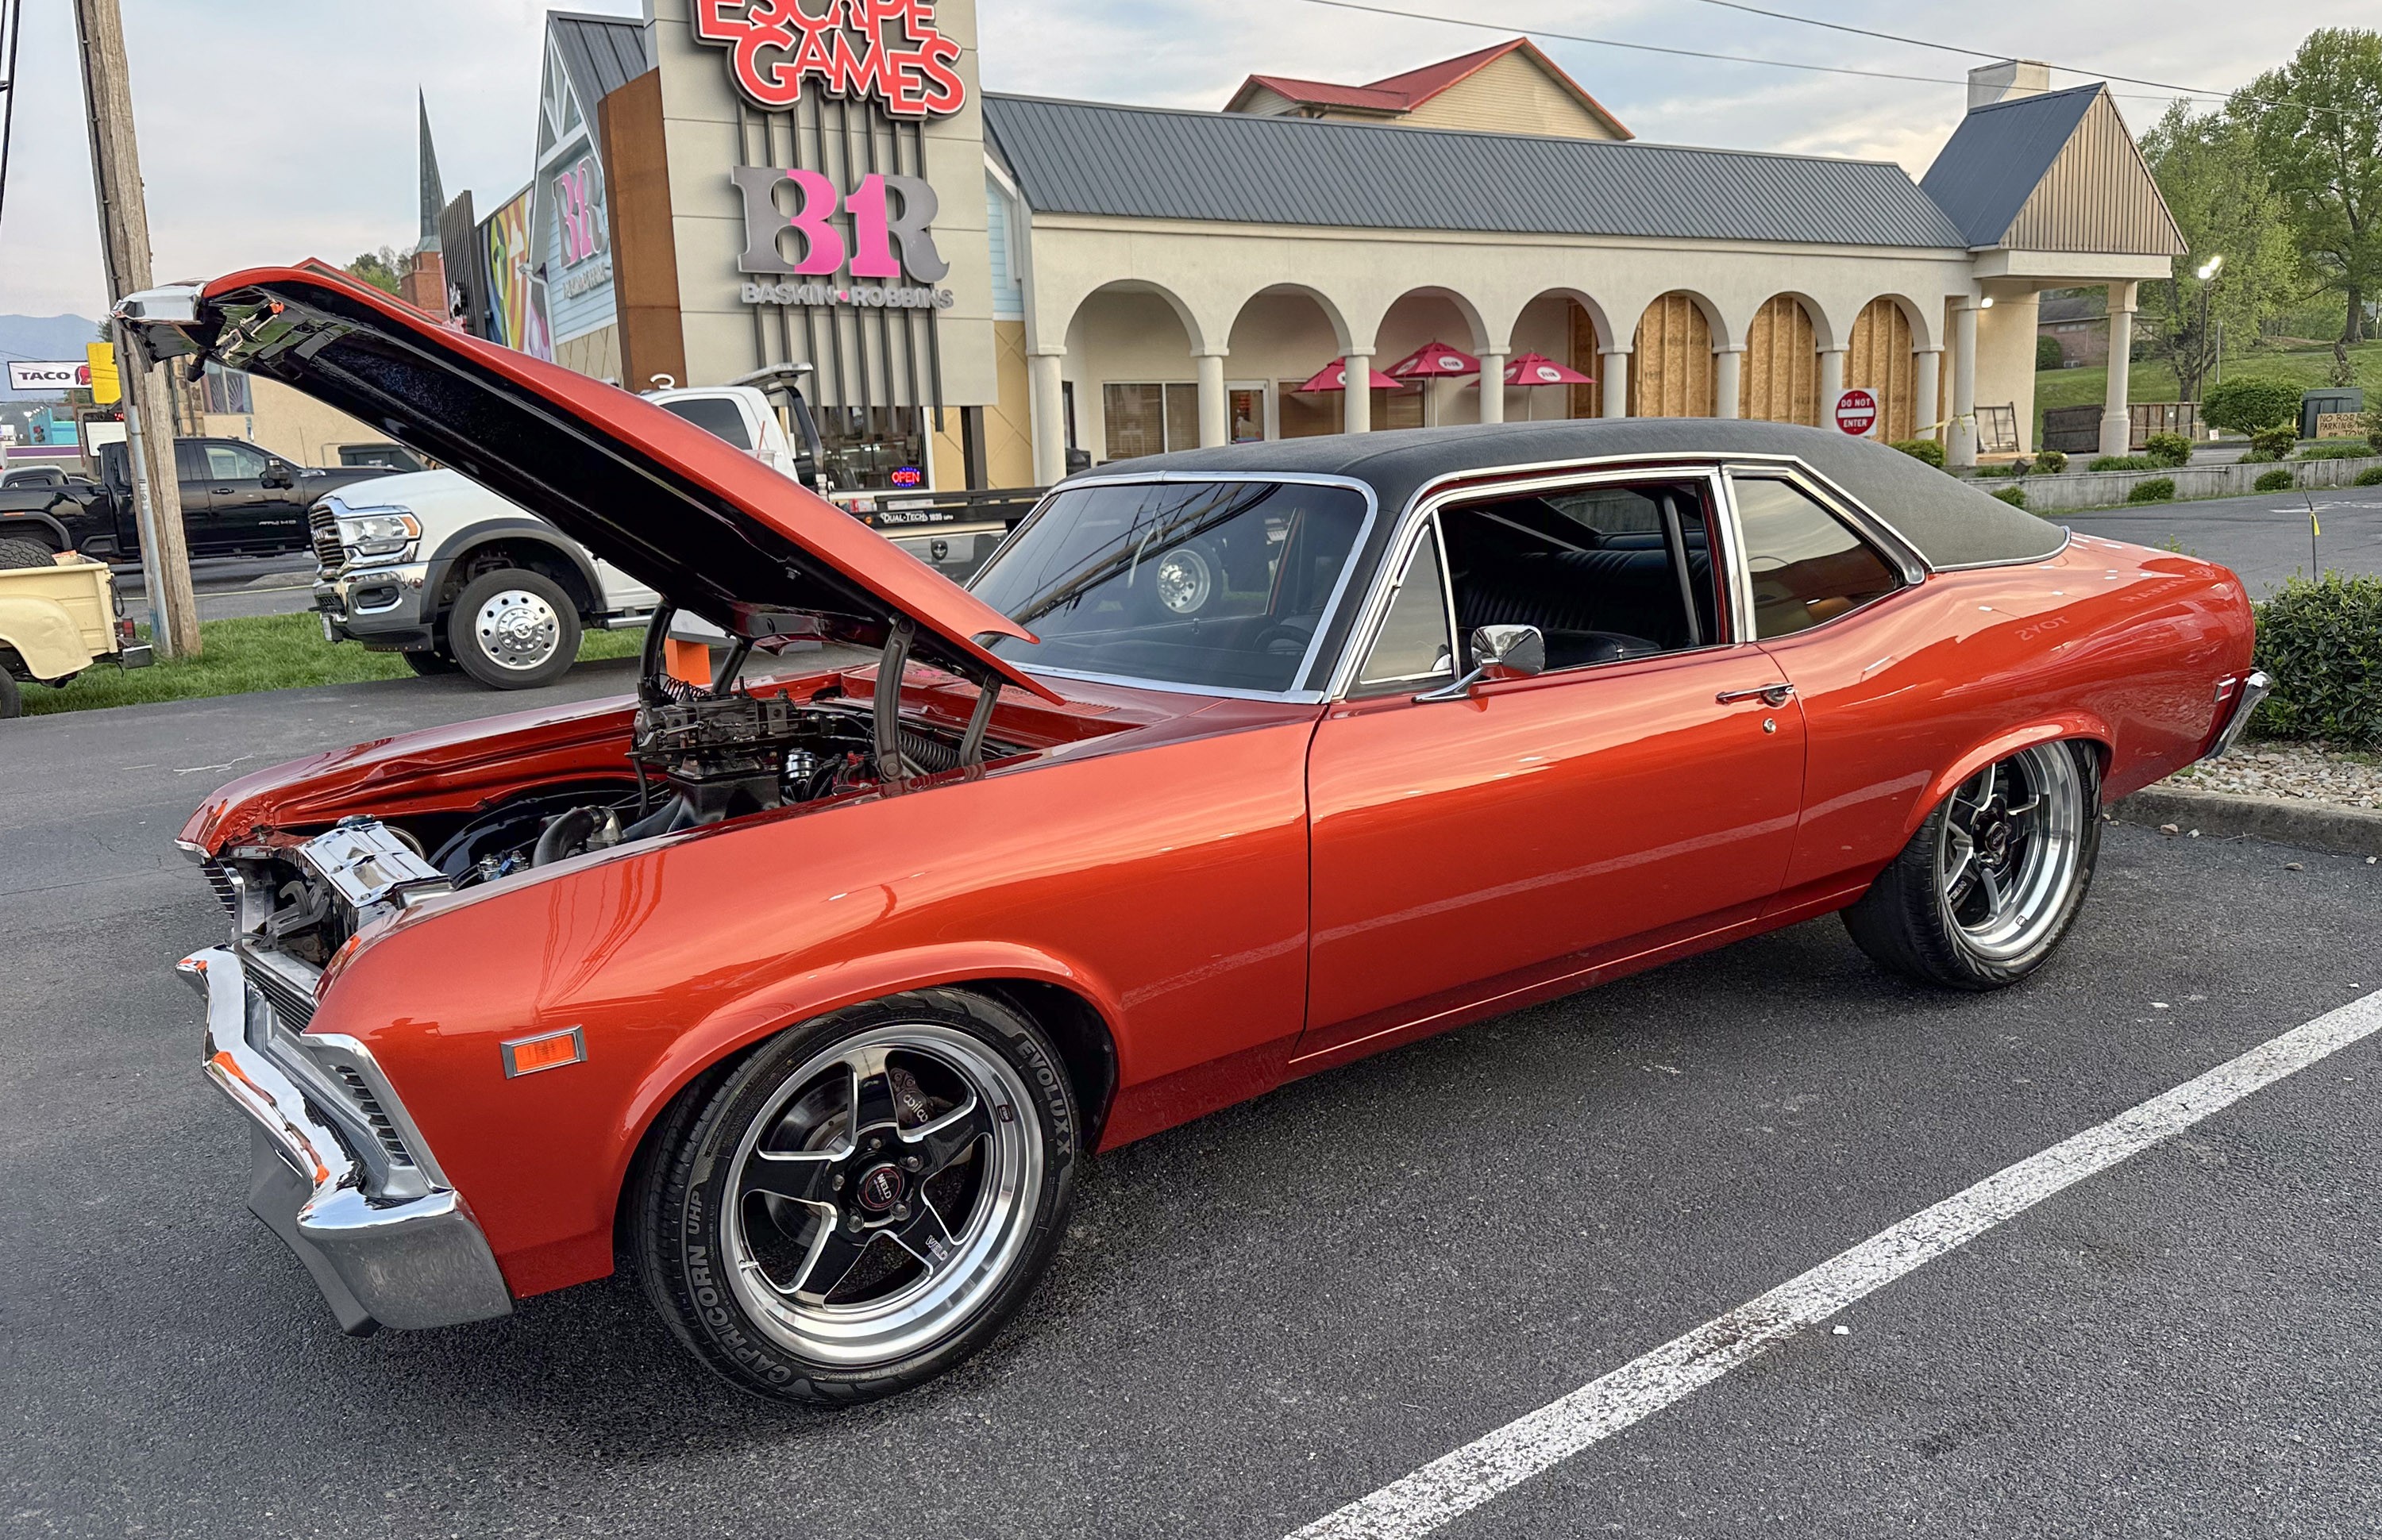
{"points": [[888, 50], [1856, 411]]}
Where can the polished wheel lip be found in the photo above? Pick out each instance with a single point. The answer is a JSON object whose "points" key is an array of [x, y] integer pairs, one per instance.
{"points": [[518, 629], [1185, 581], [985, 1245], [2011, 842]]}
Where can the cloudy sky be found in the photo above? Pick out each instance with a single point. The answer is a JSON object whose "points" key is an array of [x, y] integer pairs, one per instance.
{"points": [[271, 129]]}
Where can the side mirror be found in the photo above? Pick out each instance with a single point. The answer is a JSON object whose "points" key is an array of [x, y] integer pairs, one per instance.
{"points": [[274, 480], [1498, 652]]}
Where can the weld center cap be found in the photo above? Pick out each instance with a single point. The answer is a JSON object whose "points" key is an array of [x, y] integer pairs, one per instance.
{"points": [[880, 1189]]}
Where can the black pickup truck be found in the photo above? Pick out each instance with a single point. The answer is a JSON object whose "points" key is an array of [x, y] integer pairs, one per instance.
{"points": [[237, 500]]}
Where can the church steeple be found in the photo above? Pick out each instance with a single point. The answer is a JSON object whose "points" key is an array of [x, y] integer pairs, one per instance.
{"points": [[434, 195]]}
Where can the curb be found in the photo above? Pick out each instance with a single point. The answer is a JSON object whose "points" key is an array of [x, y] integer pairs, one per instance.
{"points": [[2286, 821]]}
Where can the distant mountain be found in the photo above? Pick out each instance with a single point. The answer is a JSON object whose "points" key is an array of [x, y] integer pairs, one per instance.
{"points": [[41, 338]]}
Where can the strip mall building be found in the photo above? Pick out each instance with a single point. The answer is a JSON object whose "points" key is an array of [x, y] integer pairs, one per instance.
{"points": [[990, 288]]}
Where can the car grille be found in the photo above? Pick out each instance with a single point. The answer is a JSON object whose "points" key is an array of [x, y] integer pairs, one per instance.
{"points": [[219, 878], [322, 527], [392, 1143], [292, 1005]]}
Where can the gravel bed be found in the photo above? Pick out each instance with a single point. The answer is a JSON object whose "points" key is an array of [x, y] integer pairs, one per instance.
{"points": [[2313, 771]]}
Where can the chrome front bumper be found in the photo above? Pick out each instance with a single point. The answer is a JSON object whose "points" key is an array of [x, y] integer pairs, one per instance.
{"points": [[408, 1263]]}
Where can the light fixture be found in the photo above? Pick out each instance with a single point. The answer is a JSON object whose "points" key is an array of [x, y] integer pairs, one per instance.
{"points": [[1986, 303], [2208, 269]]}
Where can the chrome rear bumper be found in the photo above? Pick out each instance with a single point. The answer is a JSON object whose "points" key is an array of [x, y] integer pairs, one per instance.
{"points": [[415, 1263], [2244, 694]]}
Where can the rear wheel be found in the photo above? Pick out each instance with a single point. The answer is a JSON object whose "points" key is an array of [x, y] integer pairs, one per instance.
{"points": [[513, 629], [12, 704], [864, 1200], [1989, 885]]}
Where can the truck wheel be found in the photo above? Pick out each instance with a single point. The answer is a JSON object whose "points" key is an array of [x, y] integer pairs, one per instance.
{"points": [[513, 629], [25, 553], [12, 702], [429, 663]]}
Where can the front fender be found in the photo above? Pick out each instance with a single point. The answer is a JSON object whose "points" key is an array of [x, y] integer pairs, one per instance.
{"points": [[2081, 724]]}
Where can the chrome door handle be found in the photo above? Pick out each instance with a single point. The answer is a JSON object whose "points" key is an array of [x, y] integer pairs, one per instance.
{"points": [[1769, 694]]}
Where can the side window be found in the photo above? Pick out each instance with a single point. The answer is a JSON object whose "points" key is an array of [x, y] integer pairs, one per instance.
{"points": [[190, 461], [1807, 568], [1412, 647], [234, 462], [1611, 571]]}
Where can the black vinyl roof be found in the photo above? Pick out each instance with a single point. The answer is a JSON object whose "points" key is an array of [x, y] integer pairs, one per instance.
{"points": [[1947, 520], [1082, 157]]}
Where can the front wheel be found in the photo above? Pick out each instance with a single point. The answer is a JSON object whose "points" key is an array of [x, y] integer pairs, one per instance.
{"points": [[864, 1200], [1988, 886], [513, 629]]}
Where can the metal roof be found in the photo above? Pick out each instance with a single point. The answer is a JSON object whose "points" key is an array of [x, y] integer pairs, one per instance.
{"points": [[1148, 163], [1995, 159], [601, 54]]}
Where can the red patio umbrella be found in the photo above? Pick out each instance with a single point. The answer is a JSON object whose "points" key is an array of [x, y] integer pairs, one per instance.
{"points": [[1334, 377], [1533, 370], [1435, 360]]}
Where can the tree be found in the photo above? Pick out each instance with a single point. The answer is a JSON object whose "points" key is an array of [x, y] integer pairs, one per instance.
{"points": [[2317, 123], [382, 269], [2208, 171]]}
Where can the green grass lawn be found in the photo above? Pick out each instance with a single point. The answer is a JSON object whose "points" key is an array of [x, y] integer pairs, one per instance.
{"points": [[270, 652], [2154, 380]]}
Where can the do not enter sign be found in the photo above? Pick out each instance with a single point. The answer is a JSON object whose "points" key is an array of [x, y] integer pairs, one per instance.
{"points": [[1856, 412]]}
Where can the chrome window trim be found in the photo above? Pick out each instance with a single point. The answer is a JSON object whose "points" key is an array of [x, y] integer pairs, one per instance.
{"points": [[1395, 560], [1300, 691], [2067, 538], [1742, 588], [1470, 486], [1880, 535]]}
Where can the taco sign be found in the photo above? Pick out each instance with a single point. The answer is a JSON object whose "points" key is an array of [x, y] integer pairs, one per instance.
{"points": [[885, 50]]}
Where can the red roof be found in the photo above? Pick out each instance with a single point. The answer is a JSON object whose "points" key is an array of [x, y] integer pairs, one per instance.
{"points": [[1398, 94]]}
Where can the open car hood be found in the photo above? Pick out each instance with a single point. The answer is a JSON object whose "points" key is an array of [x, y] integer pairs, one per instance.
{"points": [[712, 530]]}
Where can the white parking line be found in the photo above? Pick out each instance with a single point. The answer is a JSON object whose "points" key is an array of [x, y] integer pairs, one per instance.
{"points": [[1456, 1484]]}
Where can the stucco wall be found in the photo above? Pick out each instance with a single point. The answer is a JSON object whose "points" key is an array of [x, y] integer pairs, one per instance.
{"points": [[299, 427], [2006, 336]]}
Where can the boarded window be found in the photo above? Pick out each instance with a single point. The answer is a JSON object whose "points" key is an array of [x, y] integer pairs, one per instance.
{"points": [[1671, 367], [1880, 362], [1780, 382]]}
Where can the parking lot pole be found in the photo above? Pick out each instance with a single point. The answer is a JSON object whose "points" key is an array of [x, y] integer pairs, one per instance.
{"points": [[148, 416]]}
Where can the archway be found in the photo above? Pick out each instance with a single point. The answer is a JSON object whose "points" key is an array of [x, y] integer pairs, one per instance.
{"points": [[1280, 338], [1781, 378], [1569, 326], [1130, 387], [1671, 360], [1416, 317], [1880, 361]]}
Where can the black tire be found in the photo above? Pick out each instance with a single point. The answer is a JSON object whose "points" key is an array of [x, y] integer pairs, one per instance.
{"points": [[513, 629], [695, 1219], [1910, 919], [18, 552], [430, 664], [12, 701]]}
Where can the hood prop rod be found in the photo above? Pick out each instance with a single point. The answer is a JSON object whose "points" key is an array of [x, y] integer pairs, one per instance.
{"points": [[886, 700], [980, 720]]}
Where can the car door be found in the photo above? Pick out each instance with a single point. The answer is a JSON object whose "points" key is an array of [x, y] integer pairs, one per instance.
{"points": [[240, 504], [205, 531], [1642, 792]]}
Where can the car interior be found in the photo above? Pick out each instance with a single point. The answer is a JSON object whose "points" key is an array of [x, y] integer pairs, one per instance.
{"points": [[1606, 574]]}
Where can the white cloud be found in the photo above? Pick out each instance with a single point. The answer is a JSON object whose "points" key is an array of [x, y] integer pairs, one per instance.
{"points": [[273, 129]]}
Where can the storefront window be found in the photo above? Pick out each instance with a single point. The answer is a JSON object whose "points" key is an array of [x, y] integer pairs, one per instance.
{"points": [[867, 446], [1248, 416], [1309, 413], [1398, 408], [1150, 418]]}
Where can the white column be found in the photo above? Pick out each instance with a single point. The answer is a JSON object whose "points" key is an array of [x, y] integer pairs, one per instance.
{"points": [[1616, 381], [1049, 416], [2117, 433], [1927, 384], [1961, 442], [1492, 387], [1728, 378], [1832, 383], [1356, 400], [1215, 416]]}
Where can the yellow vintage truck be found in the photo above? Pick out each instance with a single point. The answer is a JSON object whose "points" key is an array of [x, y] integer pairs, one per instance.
{"points": [[58, 617]]}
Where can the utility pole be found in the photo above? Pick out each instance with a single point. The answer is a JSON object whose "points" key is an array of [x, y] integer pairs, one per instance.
{"points": [[148, 417]]}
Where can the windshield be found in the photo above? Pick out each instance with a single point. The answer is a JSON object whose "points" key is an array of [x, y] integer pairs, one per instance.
{"points": [[716, 415], [1212, 584]]}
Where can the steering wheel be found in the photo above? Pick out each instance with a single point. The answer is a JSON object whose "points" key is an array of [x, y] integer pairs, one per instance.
{"points": [[1279, 631]]}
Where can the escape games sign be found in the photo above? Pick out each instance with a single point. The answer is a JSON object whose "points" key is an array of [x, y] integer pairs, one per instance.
{"points": [[888, 50]]}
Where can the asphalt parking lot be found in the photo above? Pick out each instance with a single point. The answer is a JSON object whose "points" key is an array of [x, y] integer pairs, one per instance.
{"points": [[1281, 1308], [2263, 538]]}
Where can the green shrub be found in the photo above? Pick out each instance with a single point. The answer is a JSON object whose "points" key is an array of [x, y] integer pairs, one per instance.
{"points": [[2158, 489], [1923, 449], [2371, 476], [2167, 450], [2257, 457], [2275, 443], [2247, 405], [2048, 354], [2349, 449], [2321, 644], [2050, 462], [2274, 480], [2374, 428], [2014, 496], [2124, 462], [2011, 468]]}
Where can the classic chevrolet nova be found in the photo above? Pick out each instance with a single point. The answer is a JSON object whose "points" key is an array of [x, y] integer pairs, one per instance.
{"points": [[812, 984]]}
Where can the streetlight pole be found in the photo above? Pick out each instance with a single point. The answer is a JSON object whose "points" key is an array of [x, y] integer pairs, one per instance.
{"points": [[155, 486], [2206, 357]]}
